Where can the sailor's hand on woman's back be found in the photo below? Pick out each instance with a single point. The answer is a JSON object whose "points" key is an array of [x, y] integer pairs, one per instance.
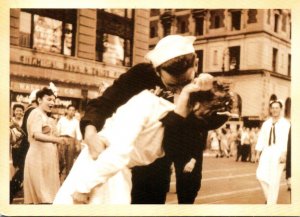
{"points": [[95, 144]]}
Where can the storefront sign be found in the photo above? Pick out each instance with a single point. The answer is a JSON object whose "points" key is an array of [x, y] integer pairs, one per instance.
{"points": [[27, 57], [28, 88], [20, 98]]}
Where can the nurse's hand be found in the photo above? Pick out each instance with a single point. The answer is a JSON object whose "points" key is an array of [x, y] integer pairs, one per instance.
{"points": [[93, 141], [188, 168]]}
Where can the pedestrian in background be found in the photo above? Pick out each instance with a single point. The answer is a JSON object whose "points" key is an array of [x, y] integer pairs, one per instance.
{"points": [[214, 141], [68, 128], [271, 150], [232, 142], [16, 135], [16, 183], [18, 113], [224, 143], [238, 143], [245, 142], [16, 132], [41, 171], [253, 140]]}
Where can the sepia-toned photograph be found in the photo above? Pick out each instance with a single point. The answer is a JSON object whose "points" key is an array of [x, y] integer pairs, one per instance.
{"points": [[153, 108]]}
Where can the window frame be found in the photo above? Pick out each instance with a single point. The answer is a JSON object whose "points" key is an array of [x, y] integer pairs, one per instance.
{"points": [[59, 15], [234, 53], [125, 31], [234, 23], [274, 59]]}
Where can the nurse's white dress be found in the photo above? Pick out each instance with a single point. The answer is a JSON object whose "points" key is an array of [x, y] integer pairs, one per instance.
{"points": [[134, 138]]}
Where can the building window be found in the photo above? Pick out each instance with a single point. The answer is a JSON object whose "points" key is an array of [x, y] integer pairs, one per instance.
{"points": [[114, 36], [276, 20], [234, 58], [182, 27], [216, 18], [269, 16], [200, 62], [153, 32], [237, 104], [252, 16], [154, 12], [199, 25], [289, 65], [48, 30], [236, 20], [120, 12], [274, 60], [153, 29], [182, 24], [217, 22], [166, 20], [284, 18], [25, 29], [215, 58]]}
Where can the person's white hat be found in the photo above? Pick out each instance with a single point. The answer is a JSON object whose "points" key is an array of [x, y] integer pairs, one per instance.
{"points": [[170, 47], [32, 96], [276, 101], [53, 88]]}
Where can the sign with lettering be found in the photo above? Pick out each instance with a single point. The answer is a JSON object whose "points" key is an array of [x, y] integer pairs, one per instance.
{"points": [[28, 88], [70, 64]]}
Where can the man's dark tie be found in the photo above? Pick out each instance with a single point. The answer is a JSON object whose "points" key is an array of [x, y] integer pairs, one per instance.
{"points": [[272, 134]]}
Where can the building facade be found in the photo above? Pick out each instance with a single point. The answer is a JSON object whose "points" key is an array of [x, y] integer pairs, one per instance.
{"points": [[79, 50], [249, 47]]}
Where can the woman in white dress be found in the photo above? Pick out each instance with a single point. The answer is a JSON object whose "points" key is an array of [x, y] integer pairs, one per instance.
{"points": [[41, 173], [215, 145]]}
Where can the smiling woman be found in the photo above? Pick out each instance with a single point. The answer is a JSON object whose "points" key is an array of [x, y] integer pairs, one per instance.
{"points": [[41, 171]]}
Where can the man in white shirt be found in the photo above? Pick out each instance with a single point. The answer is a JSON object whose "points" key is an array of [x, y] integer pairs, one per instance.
{"points": [[68, 126]]}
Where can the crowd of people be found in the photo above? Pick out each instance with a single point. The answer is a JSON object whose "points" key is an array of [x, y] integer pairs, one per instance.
{"points": [[238, 143], [156, 114]]}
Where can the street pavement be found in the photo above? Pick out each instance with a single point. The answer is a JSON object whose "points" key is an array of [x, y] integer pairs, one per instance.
{"points": [[225, 181]]}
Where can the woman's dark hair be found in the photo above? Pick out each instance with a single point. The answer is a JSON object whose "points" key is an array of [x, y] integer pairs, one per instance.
{"points": [[178, 65], [18, 106], [201, 96], [45, 91], [216, 99]]}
